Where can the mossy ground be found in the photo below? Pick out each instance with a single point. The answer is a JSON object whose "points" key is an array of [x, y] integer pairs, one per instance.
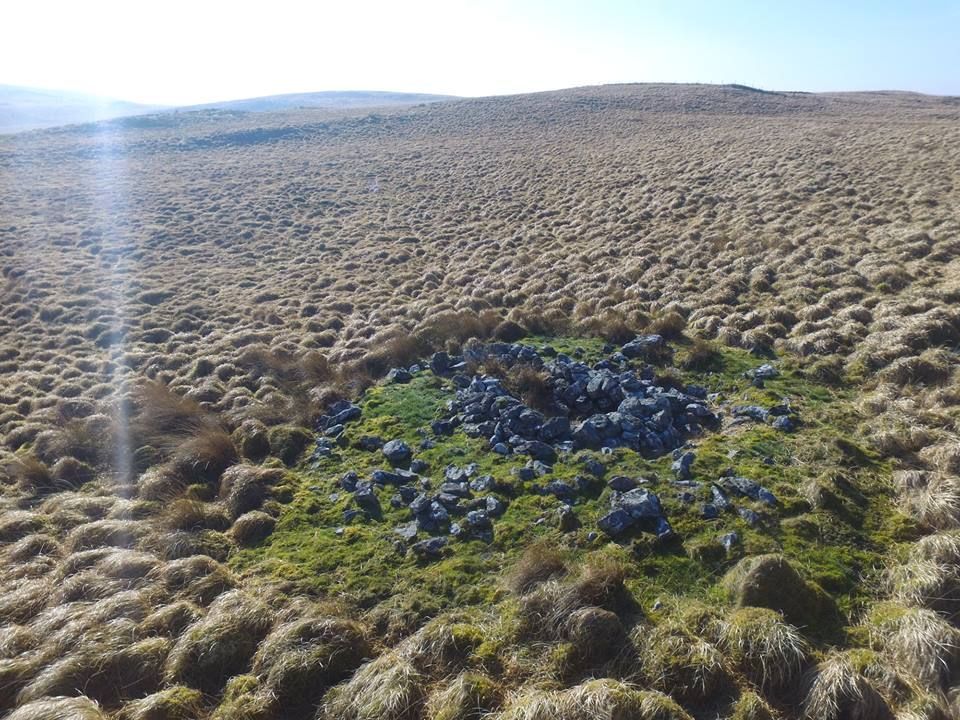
{"points": [[839, 544]]}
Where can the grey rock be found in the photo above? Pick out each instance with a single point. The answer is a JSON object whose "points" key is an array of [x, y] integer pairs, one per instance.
{"points": [[643, 346], [616, 522], [399, 375], [397, 451], [540, 469], [753, 412], [538, 451], [621, 483], [567, 520], [407, 531], [442, 427], [367, 500], [419, 466], [681, 466], [559, 489], [784, 423], [349, 480], [720, 499], [495, 506], [370, 443], [483, 483], [729, 541], [595, 467], [431, 548], [639, 503]]}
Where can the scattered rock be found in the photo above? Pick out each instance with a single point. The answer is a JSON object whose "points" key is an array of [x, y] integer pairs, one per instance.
{"points": [[644, 347], [682, 464], [567, 520], [729, 541], [430, 549], [621, 483], [367, 500], [407, 531], [397, 452], [399, 375]]}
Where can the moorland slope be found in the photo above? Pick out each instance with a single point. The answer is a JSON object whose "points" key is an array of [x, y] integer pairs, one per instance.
{"points": [[689, 446]]}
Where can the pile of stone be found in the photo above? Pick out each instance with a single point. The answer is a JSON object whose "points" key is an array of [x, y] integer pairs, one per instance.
{"points": [[781, 416], [463, 506], [331, 428], [607, 405]]}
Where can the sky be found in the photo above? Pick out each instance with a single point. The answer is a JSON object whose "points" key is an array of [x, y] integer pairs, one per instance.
{"points": [[178, 53]]}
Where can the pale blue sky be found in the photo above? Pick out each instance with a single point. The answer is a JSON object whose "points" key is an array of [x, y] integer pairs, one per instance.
{"points": [[191, 51]]}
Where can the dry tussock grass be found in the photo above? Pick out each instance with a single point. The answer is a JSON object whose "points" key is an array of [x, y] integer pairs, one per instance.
{"points": [[128, 382]]}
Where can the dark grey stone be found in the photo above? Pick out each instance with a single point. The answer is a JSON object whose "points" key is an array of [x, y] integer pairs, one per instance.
{"points": [[643, 346], [367, 500], [681, 466], [407, 531], [397, 451], [621, 483], [431, 548], [729, 541], [616, 522], [399, 375], [369, 443]]}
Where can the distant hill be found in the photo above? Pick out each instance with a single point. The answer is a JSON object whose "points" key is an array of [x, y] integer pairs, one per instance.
{"points": [[24, 108], [334, 99]]}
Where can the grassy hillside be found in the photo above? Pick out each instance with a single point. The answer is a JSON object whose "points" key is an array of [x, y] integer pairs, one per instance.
{"points": [[24, 108], [360, 414]]}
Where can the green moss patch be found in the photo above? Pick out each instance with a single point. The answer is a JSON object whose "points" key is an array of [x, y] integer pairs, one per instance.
{"points": [[835, 538]]}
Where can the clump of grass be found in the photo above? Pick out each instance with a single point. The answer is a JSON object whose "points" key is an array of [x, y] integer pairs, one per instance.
{"points": [[469, 696], [532, 386], [169, 620], [17, 524], [59, 708], [837, 689], [182, 430], [186, 514], [252, 527], [920, 641], [770, 581], [245, 487], [679, 663], [387, 688], [614, 326], [769, 651], [204, 455], [701, 356], [219, 645], [931, 367], [750, 706], [198, 579], [509, 331], [671, 325], [288, 442], [173, 703], [105, 533], [592, 700], [936, 503], [540, 562], [301, 659], [29, 473], [545, 611]]}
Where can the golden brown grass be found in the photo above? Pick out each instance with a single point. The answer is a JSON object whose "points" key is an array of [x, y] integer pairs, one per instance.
{"points": [[215, 316]]}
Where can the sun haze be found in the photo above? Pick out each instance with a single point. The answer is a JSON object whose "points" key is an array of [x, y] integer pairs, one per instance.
{"points": [[178, 52]]}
